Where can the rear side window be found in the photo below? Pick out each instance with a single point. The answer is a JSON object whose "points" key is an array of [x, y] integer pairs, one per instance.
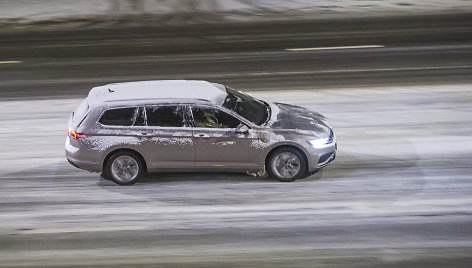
{"points": [[165, 116], [118, 117]]}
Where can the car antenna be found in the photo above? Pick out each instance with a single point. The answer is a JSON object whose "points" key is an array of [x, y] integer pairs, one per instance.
{"points": [[109, 90]]}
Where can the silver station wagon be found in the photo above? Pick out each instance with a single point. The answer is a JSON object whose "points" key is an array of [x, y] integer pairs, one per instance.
{"points": [[127, 129]]}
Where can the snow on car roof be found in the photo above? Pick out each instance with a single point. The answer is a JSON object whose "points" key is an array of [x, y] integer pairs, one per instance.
{"points": [[158, 89]]}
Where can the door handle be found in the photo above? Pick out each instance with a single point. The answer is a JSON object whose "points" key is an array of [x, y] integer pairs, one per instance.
{"points": [[142, 134], [203, 135]]}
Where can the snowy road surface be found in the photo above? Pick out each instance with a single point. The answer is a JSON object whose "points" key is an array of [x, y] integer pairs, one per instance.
{"points": [[399, 193]]}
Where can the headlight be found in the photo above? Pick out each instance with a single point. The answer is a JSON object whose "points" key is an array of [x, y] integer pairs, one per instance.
{"points": [[320, 143]]}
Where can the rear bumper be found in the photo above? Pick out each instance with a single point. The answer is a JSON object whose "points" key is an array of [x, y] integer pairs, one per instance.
{"points": [[80, 159], [84, 165]]}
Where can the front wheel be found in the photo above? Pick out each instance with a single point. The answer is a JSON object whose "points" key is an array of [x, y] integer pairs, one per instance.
{"points": [[124, 168], [286, 165]]}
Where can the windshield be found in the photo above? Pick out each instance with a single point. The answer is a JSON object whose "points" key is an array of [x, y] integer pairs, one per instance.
{"points": [[246, 106]]}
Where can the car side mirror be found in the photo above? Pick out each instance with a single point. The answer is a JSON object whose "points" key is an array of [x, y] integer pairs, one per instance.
{"points": [[242, 128]]}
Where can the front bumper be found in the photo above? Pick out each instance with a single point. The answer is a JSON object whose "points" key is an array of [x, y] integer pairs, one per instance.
{"points": [[322, 157], [326, 159]]}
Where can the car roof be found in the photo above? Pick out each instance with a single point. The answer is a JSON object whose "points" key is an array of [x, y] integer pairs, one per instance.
{"points": [[160, 90]]}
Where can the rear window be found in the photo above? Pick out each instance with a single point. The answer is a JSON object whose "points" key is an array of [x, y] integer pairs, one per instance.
{"points": [[165, 116], [118, 117], [80, 112]]}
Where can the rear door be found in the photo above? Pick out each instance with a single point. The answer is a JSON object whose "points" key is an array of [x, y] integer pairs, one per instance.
{"points": [[170, 140]]}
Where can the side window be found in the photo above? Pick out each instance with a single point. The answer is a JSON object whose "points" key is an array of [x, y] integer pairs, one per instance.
{"points": [[213, 118], [165, 116], [140, 117], [118, 117]]}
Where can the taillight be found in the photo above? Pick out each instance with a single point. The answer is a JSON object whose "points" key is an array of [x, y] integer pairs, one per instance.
{"points": [[75, 134]]}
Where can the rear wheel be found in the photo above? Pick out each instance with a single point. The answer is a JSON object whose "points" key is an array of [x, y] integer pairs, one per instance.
{"points": [[286, 165], [124, 168]]}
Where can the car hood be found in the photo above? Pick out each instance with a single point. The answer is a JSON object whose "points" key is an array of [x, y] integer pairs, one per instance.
{"points": [[291, 117]]}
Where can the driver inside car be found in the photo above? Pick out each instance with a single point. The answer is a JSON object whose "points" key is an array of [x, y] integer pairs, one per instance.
{"points": [[205, 118]]}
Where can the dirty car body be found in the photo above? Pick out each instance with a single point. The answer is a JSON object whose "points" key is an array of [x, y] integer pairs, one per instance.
{"points": [[127, 129]]}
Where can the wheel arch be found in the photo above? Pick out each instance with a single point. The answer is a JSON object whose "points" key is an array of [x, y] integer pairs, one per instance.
{"points": [[292, 146], [107, 157]]}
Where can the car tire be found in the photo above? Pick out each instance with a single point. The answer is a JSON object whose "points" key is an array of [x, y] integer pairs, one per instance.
{"points": [[286, 165], [104, 175], [124, 168], [314, 172]]}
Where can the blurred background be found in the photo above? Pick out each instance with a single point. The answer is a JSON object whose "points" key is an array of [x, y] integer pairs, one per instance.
{"points": [[393, 77]]}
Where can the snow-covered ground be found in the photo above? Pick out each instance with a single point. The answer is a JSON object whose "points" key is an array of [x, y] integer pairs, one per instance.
{"points": [[398, 194], [28, 11]]}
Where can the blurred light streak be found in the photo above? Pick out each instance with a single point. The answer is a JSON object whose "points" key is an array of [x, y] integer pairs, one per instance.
{"points": [[10, 62], [83, 229], [333, 48]]}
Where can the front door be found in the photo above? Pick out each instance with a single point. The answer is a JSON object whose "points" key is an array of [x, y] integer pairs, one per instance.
{"points": [[216, 142]]}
